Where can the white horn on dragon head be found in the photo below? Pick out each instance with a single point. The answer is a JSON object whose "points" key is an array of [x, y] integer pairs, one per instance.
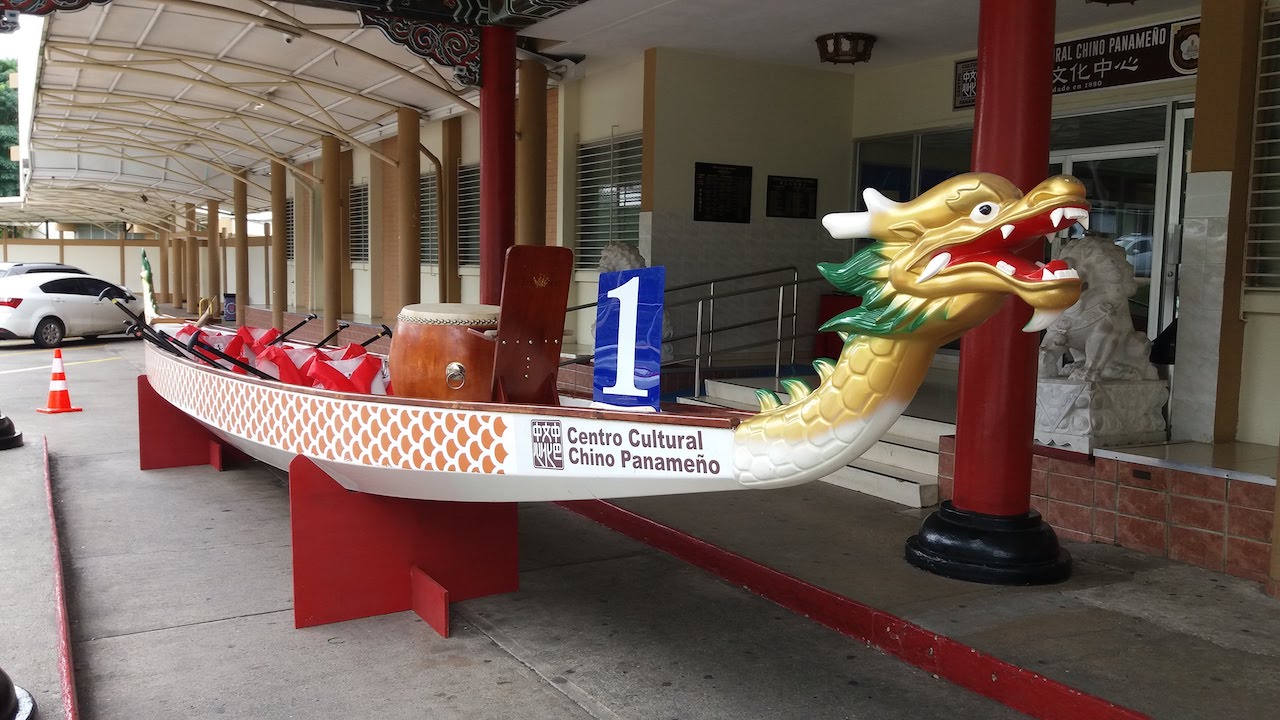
{"points": [[848, 225]]}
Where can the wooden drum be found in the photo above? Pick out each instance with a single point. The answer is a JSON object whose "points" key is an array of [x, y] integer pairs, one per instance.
{"points": [[440, 352]]}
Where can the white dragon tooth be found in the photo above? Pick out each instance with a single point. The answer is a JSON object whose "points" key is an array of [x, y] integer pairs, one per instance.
{"points": [[1039, 264], [1055, 217], [1066, 274], [935, 265], [1041, 319], [1046, 274], [1004, 267], [1079, 215], [1006, 231]]}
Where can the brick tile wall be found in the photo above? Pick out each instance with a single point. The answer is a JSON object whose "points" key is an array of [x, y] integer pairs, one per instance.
{"points": [[1203, 520]]}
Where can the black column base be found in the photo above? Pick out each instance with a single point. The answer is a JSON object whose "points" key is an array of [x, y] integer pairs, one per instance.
{"points": [[15, 703], [991, 549], [9, 437]]}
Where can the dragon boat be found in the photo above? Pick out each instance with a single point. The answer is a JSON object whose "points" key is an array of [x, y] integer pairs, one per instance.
{"points": [[939, 265]]}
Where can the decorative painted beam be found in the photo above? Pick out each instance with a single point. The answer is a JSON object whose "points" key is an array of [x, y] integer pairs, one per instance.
{"points": [[465, 12], [45, 7], [443, 43]]}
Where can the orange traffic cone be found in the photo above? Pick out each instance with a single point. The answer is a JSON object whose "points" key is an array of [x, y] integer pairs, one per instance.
{"points": [[59, 399]]}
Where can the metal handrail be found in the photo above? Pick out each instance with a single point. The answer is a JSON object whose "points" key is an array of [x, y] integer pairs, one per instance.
{"points": [[705, 303]]}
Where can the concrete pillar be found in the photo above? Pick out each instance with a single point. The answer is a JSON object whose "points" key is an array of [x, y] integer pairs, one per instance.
{"points": [[193, 262], [988, 532], [408, 169], [161, 284], [177, 266], [241, 199], [497, 156], [447, 198], [531, 155], [331, 233], [1206, 394], [279, 274], [213, 250]]}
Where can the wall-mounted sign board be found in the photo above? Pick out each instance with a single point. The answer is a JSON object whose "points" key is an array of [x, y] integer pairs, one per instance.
{"points": [[721, 193], [1146, 54]]}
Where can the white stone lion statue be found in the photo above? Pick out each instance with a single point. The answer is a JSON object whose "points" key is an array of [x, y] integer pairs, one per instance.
{"points": [[626, 256], [1098, 330]]}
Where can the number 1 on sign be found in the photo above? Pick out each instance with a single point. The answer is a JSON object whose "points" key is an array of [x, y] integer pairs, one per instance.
{"points": [[628, 297]]}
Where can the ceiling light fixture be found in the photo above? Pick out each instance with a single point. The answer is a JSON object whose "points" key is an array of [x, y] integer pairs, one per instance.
{"points": [[845, 47]]}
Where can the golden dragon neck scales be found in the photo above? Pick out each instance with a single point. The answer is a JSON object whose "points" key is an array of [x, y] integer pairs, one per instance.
{"points": [[942, 264]]}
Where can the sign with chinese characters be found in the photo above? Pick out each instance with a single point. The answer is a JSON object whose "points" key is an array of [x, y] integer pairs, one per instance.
{"points": [[628, 356], [791, 197], [1146, 54], [721, 193]]}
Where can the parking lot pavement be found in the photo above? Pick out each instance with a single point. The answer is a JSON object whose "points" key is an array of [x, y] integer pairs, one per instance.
{"points": [[181, 606]]}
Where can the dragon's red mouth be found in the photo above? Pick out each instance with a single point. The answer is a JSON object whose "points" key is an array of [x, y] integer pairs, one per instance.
{"points": [[998, 247]]}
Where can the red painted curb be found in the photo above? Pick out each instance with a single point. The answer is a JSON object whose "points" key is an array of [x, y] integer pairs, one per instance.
{"points": [[1023, 690], [66, 668]]}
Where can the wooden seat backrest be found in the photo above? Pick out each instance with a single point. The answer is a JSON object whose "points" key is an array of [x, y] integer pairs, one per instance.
{"points": [[535, 293]]}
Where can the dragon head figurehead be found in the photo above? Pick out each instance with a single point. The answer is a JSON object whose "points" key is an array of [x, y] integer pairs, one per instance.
{"points": [[946, 259]]}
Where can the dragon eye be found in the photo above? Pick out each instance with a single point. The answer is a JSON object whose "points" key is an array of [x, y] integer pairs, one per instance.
{"points": [[984, 212]]}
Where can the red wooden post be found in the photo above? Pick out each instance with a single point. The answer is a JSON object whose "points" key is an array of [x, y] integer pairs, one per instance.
{"points": [[497, 156], [988, 532]]}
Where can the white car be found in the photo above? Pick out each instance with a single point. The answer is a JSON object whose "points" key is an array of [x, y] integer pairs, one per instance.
{"points": [[48, 307]]}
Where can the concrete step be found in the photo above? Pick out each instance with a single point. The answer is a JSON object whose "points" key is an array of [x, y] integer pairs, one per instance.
{"points": [[917, 428], [743, 390], [904, 453], [894, 484], [902, 467], [708, 401]]}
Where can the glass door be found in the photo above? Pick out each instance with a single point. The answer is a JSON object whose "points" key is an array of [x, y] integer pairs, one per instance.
{"points": [[1126, 191]]}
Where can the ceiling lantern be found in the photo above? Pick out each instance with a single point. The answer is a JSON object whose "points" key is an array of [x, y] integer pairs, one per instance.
{"points": [[845, 47]]}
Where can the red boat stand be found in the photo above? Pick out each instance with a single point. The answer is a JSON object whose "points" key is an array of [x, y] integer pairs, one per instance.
{"points": [[169, 438], [358, 555]]}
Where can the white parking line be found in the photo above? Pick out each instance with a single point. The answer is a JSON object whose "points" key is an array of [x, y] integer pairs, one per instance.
{"points": [[50, 367]]}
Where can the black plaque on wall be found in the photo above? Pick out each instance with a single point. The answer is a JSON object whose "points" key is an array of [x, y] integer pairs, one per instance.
{"points": [[791, 197], [722, 193]]}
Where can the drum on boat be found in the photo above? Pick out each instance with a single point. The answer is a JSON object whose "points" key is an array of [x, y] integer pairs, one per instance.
{"points": [[440, 351]]}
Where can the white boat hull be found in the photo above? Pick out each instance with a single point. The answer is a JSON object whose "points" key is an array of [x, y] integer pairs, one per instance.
{"points": [[439, 450]]}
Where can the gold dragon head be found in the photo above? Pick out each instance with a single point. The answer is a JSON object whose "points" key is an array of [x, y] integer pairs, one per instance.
{"points": [[947, 258]]}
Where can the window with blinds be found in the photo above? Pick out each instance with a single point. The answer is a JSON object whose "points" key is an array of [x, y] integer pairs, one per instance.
{"points": [[608, 196], [469, 215], [1262, 251], [428, 231], [358, 223], [288, 229]]}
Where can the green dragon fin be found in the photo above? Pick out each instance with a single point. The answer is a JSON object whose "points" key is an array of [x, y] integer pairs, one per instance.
{"points": [[796, 388], [768, 399], [824, 366]]}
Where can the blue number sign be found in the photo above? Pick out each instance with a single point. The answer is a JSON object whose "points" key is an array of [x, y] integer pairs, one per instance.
{"points": [[629, 337]]}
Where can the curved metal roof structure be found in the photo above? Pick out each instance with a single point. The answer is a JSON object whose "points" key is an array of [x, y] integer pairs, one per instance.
{"points": [[145, 104]]}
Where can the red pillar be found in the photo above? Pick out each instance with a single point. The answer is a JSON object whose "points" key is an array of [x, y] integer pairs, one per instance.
{"points": [[987, 532], [497, 156], [996, 414]]}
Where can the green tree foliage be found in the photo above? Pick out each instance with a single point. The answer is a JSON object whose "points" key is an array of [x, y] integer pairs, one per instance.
{"points": [[8, 129]]}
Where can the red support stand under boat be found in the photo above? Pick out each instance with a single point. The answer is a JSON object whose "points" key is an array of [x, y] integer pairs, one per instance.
{"points": [[169, 438], [357, 555]]}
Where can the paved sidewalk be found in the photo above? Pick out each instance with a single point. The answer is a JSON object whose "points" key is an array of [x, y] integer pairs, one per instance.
{"points": [[180, 581], [182, 608]]}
